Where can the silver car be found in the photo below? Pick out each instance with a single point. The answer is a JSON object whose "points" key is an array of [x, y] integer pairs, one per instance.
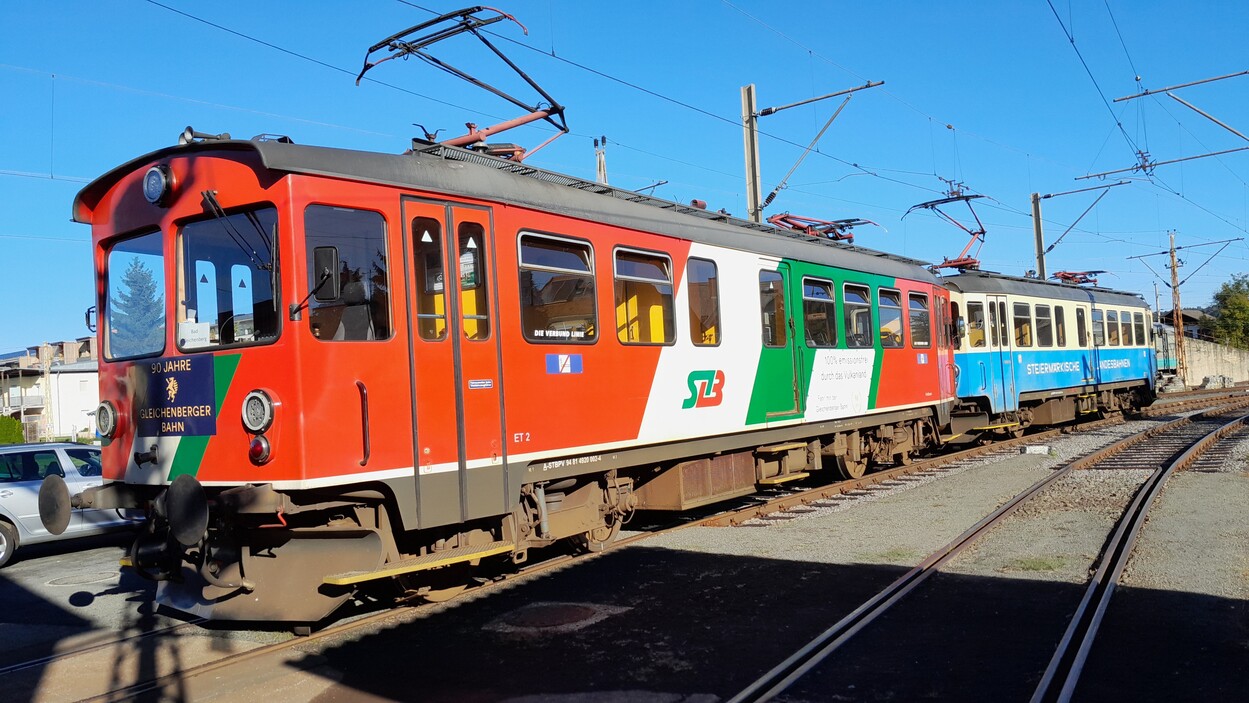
{"points": [[23, 468]]}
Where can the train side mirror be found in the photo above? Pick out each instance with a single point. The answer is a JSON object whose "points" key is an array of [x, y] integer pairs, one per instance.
{"points": [[960, 328], [325, 264], [90, 318]]}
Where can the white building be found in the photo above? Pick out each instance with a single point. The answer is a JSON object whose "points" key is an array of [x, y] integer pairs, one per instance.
{"points": [[53, 389]]}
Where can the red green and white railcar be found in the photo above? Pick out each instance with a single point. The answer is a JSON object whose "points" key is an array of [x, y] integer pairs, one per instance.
{"points": [[306, 401]]}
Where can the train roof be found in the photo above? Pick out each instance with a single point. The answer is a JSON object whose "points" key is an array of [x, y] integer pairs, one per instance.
{"points": [[455, 171], [991, 282]]}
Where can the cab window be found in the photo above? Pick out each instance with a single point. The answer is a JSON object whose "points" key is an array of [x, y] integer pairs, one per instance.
{"points": [[226, 281], [351, 303], [134, 306]]}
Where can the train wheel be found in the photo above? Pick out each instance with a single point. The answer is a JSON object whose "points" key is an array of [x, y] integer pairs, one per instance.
{"points": [[851, 469], [600, 538], [902, 459]]}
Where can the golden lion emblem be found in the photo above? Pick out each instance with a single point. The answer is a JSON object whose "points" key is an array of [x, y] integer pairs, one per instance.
{"points": [[171, 388]]}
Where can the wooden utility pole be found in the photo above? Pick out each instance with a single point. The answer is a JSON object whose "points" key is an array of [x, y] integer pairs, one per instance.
{"points": [[750, 133], [1040, 239], [1177, 316]]}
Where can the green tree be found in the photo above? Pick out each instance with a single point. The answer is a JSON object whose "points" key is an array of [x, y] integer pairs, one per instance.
{"points": [[1231, 312], [11, 431], [136, 316]]}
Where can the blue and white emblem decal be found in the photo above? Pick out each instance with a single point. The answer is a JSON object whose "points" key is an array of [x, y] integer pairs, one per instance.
{"points": [[563, 363]]}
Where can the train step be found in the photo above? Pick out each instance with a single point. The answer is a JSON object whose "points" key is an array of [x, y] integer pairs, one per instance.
{"points": [[777, 448], [773, 480], [421, 563]]}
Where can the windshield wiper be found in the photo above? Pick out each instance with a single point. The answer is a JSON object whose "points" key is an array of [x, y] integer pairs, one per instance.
{"points": [[214, 207]]}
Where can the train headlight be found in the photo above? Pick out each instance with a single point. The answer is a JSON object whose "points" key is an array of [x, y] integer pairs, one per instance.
{"points": [[257, 411], [106, 419], [156, 184]]}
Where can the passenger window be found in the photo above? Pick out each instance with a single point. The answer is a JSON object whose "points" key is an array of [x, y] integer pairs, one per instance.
{"points": [[1060, 325], [1001, 323], [975, 324], [1099, 334], [86, 461], [772, 307], [858, 313], [1138, 321], [431, 296], [644, 311], [474, 288], [1125, 327], [993, 323], [361, 310], [948, 335], [819, 313], [29, 466], [921, 334], [10, 468], [1112, 328], [556, 290], [890, 318], [643, 299], [1044, 327], [704, 293], [1023, 325]]}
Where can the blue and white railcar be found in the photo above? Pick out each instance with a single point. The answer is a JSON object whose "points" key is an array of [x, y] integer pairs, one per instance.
{"points": [[1034, 351]]}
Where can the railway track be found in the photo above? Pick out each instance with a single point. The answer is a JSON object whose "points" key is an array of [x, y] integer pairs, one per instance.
{"points": [[1166, 448], [779, 502]]}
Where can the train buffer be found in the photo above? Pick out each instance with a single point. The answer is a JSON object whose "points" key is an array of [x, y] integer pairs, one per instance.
{"points": [[424, 562]]}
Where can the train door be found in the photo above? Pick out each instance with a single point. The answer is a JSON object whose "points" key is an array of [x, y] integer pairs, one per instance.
{"points": [[457, 384], [776, 381], [1000, 364]]}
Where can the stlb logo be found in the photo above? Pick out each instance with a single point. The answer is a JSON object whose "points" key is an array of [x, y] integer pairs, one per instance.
{"points": [[705, 389]]}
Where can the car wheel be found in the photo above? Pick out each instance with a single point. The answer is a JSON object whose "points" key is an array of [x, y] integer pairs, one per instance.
{"points": [[8, 542]]}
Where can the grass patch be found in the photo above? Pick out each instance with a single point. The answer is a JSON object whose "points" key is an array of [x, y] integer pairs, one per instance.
{"points": [[898, 554], [1041, 563]]}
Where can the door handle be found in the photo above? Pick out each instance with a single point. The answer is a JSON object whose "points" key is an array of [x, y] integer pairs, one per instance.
{"points": [[364, 420], [6, 494]]}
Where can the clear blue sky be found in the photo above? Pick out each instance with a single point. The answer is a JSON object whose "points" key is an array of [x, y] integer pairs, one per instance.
{"points": [[988, 93]]}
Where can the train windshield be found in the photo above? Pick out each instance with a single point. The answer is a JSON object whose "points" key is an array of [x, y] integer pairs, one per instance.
{"points": [[226, 281], [134, 312]]}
